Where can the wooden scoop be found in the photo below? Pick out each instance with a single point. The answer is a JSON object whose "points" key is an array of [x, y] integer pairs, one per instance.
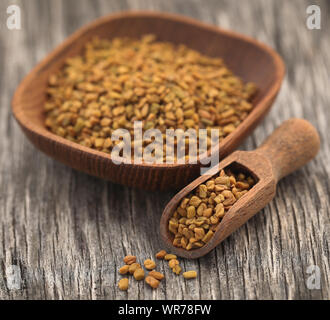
{"points": [[290, 146]]}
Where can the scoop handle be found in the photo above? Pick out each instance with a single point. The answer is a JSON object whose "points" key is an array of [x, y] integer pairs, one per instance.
{"points": [[290, 146]]}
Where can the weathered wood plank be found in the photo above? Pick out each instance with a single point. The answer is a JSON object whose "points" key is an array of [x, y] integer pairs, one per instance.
{"points": [[63, 233]]}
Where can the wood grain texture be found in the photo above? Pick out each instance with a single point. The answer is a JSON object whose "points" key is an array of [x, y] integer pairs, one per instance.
{"points": [[63, 234]]}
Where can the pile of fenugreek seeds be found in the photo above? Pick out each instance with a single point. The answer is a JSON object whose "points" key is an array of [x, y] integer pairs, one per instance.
{"points": [[198, 215], [154, 277], [114, 83]]}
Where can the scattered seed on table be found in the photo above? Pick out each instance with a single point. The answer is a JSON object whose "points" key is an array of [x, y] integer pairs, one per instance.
{"points": [[123, 284], [190, 274], [170, 256], [130, 259], [133, 267], [161, 254], [139, 274], [157, 275], [124, 269], [152, 282], [149, 264]]}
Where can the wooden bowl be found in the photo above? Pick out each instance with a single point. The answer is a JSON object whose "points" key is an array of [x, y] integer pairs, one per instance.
{"points": [[246, 57]]}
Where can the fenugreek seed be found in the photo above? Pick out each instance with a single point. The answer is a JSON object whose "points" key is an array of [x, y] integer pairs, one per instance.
{"points": [[201, 209], [133, 267], [223, 180], [161, 254], [138, 274], [195, 201], [242, 185], [172, 263], [219, 210], [152, 282], [202, 191], [124, 269], [183, 242], [177, 269], [199, 233], [214, 219], [182, 212], [177, 242], [170, 256], [191, 212], [184, 203], [207, 212], [157, 275], [208, 236], [123, 284], [150, 264], [190, 274], [129, 259], [198, 244]]}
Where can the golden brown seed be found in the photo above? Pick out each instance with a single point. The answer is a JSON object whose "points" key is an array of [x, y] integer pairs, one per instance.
{"points": [[208, 236], [139, 274], [129, 259], [190, 274], [123, 284], [170, 256], [207, 212], [201, 209], [242, 185], [157, 275], [152, 282], [150, 264], [195, 201], [191, 212], [223, 181], [124, 269], [161, 254], [184, 203], [199, 233], [202, 191], [177, 269], [133, 267], [172, 263]]}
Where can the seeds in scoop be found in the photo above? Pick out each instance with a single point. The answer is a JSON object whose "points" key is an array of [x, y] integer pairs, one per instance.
{"points": [[161, 254], [129, 259], [170, 256], [134, 266], [123, 284], [138, 274], [202, 211], [157, 275], [149, 264], [190, 274], [152, 282], [124, 269]]}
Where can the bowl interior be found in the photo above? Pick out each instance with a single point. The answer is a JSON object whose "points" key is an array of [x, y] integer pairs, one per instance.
{"points": [[243, 57]]}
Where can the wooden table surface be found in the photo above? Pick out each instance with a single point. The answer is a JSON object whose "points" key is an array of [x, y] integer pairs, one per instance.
{"points": [[63, 234]]}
